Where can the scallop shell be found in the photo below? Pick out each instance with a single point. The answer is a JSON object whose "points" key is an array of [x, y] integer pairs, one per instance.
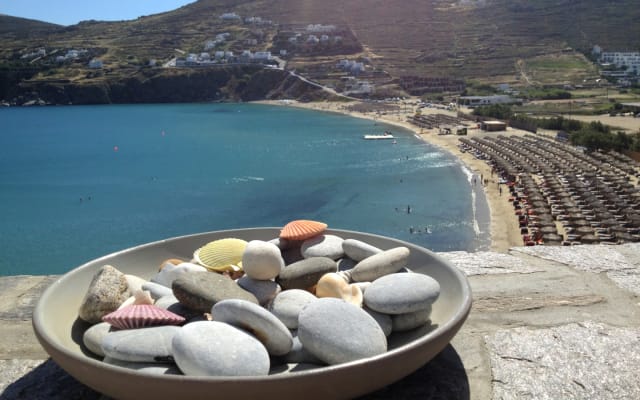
{"points": [[140, 316], [302, 229], [335, 285], [221, 255]]}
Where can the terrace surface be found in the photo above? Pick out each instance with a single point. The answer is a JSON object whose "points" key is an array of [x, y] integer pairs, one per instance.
{"points": [[547, 322]]}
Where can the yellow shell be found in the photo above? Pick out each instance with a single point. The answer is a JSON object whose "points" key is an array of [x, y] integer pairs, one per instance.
{"points": [[221, 255]]}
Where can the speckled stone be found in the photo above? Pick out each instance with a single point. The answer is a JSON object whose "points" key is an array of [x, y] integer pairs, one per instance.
{"points": [[586, 360], [147, 368], [323, 246], [266, 327], [288, 304], [384, 320], [402, 293], [156, 290], [107, 290], [211, 348], [262, 260], [305, 273], [336, 331], [171, 272], [408, 321], [265, 291], [201, 290], [359, 250], [381, 264], [140, 345], [92, 337]]}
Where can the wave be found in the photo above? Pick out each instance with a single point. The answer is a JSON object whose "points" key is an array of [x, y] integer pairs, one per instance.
{"points": [[247, 179]]}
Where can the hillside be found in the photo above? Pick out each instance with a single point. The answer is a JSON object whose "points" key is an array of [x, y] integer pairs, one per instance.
{"points": [[441, 41]]}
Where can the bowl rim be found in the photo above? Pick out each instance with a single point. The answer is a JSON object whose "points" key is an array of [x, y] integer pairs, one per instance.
{"points": [[460, 315]]}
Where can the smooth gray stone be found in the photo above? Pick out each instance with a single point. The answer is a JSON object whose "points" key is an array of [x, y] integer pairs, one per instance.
{"points": [[299, 354], [346, 264], [283, 244], [148, 368], [266, 327], [384, 320], [359, 250], [292, 254], [381, 264], [292, 367], [323, 246], [288, 304], [408, 321], [157, 290], [107, 290], [336, 331], [211, 348], [262, 260], [171, 272], [201, 290], [305, 273], [92, 337], [140, 345], [265, 291], [402, 293], [362, 285], [172, 304]]}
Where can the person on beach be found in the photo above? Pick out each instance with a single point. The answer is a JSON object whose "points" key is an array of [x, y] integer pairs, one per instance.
{"points": [[408, 209]]}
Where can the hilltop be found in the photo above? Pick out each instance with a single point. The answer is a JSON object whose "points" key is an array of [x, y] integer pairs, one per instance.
{"points": [[400, 44]]}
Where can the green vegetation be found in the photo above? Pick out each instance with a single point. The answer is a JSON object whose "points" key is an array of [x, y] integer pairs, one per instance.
{"points": [[545, 94], [593, 135]]}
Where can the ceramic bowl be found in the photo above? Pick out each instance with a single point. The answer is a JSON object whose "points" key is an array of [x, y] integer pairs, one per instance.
{"points": [[59, 330]]}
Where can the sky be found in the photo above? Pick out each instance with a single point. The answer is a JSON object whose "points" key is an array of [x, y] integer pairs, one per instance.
{"points": [[70, 12]]}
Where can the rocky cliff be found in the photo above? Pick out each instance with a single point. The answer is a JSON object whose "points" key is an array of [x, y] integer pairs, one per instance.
{"points": [[164, 85]]}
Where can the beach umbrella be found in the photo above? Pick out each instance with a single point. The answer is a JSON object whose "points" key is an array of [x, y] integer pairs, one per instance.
{"points": [[548, 229], [590, 239], [624, 236], [582, 230], [550, 238]]}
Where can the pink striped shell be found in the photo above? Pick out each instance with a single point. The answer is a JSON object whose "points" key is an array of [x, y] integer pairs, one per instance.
{"points": [[142, 315]]}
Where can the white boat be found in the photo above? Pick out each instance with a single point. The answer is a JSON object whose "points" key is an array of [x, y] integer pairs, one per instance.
{"points": [[386, 135]]}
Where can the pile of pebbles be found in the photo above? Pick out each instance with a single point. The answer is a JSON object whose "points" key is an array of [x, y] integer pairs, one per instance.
{"points": [[314, 301]]}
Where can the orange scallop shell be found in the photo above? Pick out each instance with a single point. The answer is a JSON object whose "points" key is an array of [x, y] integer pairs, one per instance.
{"points": [[141, 316], [302, 229]]}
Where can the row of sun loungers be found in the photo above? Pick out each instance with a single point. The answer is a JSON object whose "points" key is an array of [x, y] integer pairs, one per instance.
{"points": [[562, 195]]}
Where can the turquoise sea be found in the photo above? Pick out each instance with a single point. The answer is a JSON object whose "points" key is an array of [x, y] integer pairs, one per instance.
{"points": [[79, 182]]}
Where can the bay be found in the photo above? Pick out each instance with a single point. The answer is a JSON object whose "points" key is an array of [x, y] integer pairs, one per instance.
{"points": [[79, 182]]}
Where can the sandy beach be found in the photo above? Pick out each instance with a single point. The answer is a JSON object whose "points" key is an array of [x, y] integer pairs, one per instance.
{"points": [[504, 227]]}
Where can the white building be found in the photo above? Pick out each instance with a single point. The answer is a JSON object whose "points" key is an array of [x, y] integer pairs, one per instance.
{"points": [[320, 28], [95, 64], [630, 60], [230, 17], [262, 55]]}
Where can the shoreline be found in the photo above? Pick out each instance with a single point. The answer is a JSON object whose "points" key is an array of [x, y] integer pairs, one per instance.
{"points": [[504, 231]]}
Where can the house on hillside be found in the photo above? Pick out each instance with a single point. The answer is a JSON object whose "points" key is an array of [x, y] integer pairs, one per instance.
{"points": [[95, 64], [230, 17], [493, 126], [475, 101], [628, 60]]}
